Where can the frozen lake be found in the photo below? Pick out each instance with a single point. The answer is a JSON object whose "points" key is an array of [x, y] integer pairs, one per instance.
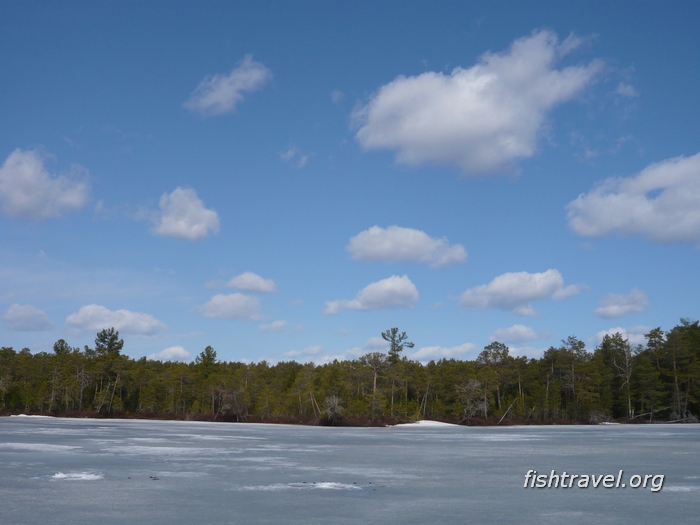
{"points": [[102, 471]]}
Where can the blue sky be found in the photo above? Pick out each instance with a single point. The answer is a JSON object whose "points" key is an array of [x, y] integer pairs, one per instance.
{"points": [[287, 180]]}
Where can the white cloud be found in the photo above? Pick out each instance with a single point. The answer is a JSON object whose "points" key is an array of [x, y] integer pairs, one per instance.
{"points": [[184, 216], [318, 354], [232, 306], [404, 244], [626, 90], [393, 292], [661, 203], [29, 191], [617, 305], [26, 318], [93, 318], [309, 352], [274, 326], [634, 334], [219, 94], [513, 291], [292, 153], [518, 333], [428, 353], [172, 353], [251, 282], [484, 118]]}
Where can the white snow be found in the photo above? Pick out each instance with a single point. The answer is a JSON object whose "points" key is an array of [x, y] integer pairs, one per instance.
{"points": [[311, 485], [427, 423], [78, 476]]}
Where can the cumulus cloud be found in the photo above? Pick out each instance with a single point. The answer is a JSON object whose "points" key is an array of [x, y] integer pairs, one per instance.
{"points": [[29, 191], [661, 203], [94, 318], [518, 333], [514, 291], [251, 282], [274, 326], [26, 318], [429, 353], [232, 306], [616, 305], [404, 244], [482, 119], [219, 94], [172, 353], [184, 216], [393, 292], [634, 334]]}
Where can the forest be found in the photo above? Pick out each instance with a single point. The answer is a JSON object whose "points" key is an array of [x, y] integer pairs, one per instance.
{"points": [[659, 381]]}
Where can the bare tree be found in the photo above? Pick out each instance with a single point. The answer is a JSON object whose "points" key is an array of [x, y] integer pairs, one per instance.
{"points": [[473, 397], [376, 362], [332, 408]]}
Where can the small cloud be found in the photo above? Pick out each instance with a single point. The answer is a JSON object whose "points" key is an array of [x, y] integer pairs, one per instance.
{"points": [[274, 326], [395, 244], [297, 303], [317, 353], [220, 94], [93, 318], [336, 96], [292, 153], [26, 318], [183, 216], [251, 282], [626, 90], [430, 353], [172, 353], [29, 191], [517, 333], [393, 292], [527, 351], [289, 153], [232, 306], [616, 305], [72, 143], [514, 291], [308, 352], [634, 334]]}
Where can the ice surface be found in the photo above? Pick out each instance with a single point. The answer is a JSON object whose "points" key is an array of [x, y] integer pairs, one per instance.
{"points": [[146, 472]]}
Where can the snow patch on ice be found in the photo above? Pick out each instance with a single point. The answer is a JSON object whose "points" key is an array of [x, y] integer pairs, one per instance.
{"points": [[78, 476], [427, 423], [321, 485]]}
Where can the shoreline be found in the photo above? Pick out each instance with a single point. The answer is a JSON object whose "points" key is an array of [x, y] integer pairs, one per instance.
{"points": [[343, 422]]}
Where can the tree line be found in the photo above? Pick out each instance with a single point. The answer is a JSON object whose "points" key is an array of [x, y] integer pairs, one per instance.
{"points": [[613, 381]]}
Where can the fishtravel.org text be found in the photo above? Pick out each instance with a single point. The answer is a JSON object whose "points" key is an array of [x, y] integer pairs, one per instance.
{"points": [[533, 480]]}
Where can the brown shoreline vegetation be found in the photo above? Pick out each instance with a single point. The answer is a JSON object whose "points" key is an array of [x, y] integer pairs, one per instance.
{"points": [[615, 382]]}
